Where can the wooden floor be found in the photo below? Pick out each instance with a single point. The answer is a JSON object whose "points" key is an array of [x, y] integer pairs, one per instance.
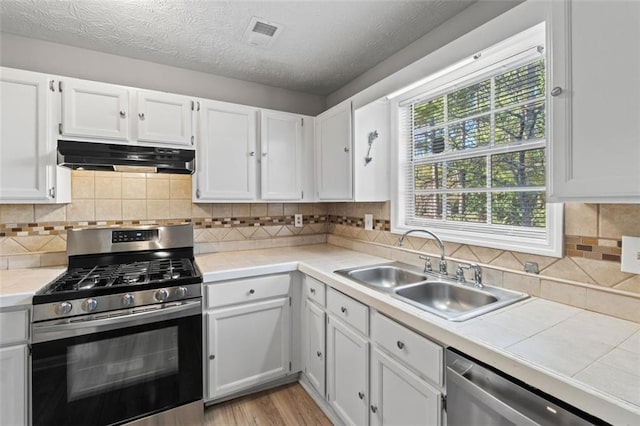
{"points": [[285, 405]]}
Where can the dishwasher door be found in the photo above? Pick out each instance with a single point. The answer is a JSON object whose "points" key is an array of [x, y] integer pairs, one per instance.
{"points": [[479, 396]]}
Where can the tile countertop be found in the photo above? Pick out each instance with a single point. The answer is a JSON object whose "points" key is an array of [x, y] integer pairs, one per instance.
{"points": [[17, 286], [590, 360]]}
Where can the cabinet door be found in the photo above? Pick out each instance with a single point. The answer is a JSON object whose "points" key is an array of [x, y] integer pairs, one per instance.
{"points": [[226, 152], [399, 397], [164, 118], [26, 151], [314, 345], [13, 385], [95, 110], [247, 345], [347, 373], [281, 151], [333, 147], [595, 77]]}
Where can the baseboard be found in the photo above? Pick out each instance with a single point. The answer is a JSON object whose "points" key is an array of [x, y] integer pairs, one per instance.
{"points": [[320, 401]]}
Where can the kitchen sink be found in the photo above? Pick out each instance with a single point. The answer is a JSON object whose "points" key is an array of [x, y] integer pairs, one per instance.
{"points": [[434, 293], [383, 276]]}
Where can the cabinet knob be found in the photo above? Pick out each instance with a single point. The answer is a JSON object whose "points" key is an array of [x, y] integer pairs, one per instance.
{"points": [[319, 354], [252, 154], [374, 408], [252, 291], [400, 344], [346, 149], [212, 357], [141, 115], [123, 114], [343, 310], [361, 395], [556, 91]]}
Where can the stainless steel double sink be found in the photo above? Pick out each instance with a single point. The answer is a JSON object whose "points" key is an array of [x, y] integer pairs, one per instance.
{"points": [[431, 292]]}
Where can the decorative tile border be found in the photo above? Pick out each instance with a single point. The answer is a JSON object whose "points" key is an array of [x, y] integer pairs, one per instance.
{"points": [[358, 222], [593, 248]]}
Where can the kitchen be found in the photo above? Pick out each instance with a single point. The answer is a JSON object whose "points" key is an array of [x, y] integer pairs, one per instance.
{"points": [[575, 338]]}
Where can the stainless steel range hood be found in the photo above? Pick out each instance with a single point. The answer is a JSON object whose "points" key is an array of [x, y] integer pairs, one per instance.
{"points": [[125, 158]]}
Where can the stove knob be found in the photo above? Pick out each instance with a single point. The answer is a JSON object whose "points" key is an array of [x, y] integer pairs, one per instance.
{"points": [[63, 308], [90, 305], [181, 291], [127, 299], [162, 295]]}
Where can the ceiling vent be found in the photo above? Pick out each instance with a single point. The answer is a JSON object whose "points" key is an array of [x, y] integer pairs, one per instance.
{"points": [[261, 33]]}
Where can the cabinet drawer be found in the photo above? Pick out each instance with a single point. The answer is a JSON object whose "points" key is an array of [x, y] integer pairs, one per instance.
{"points": [[414, 350], [14, 327], [247, 290], [314, 290], [350, 311]]}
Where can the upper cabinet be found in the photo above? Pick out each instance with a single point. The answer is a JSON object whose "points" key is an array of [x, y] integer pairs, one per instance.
{"points": [[334, 163], [165, 118], [226, 153], [94, 110], [371, 152], [281, 155], [28, 171], [595, 99]]}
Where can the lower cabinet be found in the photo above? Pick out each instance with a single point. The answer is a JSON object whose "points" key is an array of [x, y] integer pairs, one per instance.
{"points": [[13, 385], [347, 372], [313, 341], [399, 397]]}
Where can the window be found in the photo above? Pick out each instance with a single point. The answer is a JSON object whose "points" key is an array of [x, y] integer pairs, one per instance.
{"points": [[472, 153]]}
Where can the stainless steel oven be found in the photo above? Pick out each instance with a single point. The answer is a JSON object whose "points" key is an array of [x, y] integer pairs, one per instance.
{"points": [[118, 338]]}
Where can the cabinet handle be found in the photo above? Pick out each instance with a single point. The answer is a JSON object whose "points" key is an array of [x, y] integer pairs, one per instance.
{"points": [[123, 114], [197, 193], [252, 291], [252, 154], [400, 345], [312, 290], [141, 115], [346, 149], [52, 192], [319, 354], [343, 310], [212, 357], [374, 408], [556, 91], [361, 395]]}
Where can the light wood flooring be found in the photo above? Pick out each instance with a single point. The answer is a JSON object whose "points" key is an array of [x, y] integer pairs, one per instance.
{"points": [[285, 405]]}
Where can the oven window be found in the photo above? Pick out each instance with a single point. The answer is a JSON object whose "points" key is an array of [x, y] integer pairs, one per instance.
{"points": [[103, 365]]}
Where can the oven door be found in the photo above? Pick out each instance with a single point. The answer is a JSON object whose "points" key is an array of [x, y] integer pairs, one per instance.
{"points": [[110, 370]]}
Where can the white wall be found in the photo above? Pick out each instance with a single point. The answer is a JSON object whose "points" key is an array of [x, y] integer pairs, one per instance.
{"points": [[42, 56], [390, 71]]}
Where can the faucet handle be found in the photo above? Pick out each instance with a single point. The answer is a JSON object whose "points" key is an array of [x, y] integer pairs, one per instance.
{"points": [[427, 263], [460, 272]]}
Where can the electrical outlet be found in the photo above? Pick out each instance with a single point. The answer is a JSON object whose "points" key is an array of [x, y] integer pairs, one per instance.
{"points": [[297, 222], [368, 222], [630, 255]]}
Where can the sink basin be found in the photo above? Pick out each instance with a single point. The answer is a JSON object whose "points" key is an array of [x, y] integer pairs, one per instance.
{"points": [[433, 293], [383, 276]]}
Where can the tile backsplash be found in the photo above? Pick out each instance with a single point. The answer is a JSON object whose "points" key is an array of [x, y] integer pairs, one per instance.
{"points": [[588, 275]]}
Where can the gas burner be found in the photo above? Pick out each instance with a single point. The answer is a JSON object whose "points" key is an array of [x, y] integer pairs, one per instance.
{"points": [[131, 279]]}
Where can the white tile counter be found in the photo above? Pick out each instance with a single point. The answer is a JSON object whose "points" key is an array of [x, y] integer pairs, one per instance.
{"points": [[17, 286], [590, 360]]}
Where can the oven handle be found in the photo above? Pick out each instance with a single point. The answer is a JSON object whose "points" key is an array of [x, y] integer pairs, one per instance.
{"points": [[44, 332]]}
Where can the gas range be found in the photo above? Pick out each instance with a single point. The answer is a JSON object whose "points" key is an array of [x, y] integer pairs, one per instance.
{"points": [[115, 268]]}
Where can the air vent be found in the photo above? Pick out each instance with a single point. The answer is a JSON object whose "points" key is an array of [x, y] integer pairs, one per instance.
{"points": [[261, 33]]}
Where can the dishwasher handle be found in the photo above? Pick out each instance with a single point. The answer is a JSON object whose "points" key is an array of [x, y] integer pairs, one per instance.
{"points": [[487, 399]]}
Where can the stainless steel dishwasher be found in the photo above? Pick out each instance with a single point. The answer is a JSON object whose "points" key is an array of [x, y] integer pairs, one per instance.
{"points": [[480, 395]]}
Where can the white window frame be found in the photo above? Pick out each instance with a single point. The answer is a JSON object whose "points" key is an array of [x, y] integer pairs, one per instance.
{"points": [[549, 241]]}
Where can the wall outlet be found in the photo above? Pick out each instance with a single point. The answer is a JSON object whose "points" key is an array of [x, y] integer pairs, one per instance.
{"points": [[368, 222], [630, 255], [297, 222]]}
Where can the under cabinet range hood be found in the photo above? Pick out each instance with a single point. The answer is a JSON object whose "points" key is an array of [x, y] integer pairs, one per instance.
{"points": [[125, 158]]}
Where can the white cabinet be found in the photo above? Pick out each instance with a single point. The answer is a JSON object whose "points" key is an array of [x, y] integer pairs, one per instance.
{"points": [[595, 101], [14, 360], [281, 155], [165, 118], [226, 160], [28, 171], [347, 372], [314, 354], [95, 110], [371, 152], [247, 345], [334, 163], [399, 397]]}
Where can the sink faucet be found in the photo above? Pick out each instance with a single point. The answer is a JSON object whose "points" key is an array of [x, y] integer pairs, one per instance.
{"points": [[442, 265], [477, 274]]}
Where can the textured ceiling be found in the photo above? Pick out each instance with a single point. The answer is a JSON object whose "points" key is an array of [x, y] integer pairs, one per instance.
{"points": [[324, 44]]}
